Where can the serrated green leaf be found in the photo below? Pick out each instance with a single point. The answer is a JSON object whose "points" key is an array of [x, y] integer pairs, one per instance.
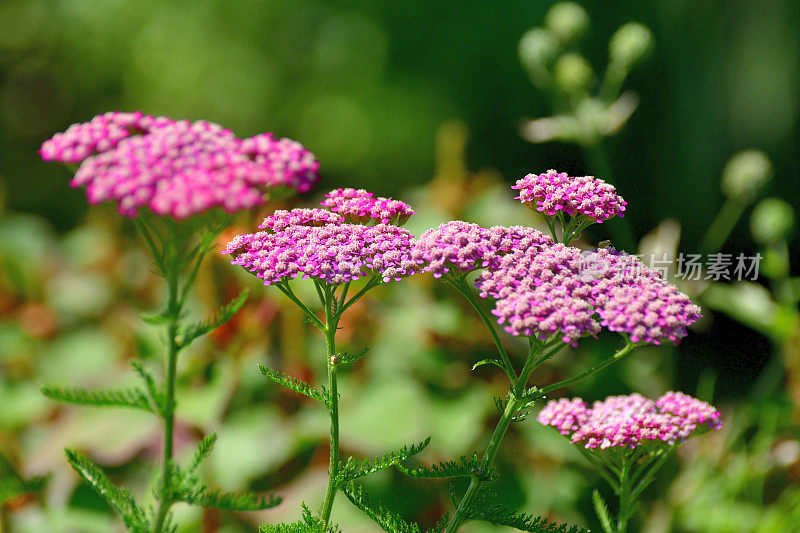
{"points": [[309, 523], [463, 467], [204, 449], [224, 314], [155, 319], [382, 516], [601, 509], [295, 384], [133, 397], [354, 469], [119, 499], [150, 385], [229, 501], [487, 362], [486, 508], [347, 358]]}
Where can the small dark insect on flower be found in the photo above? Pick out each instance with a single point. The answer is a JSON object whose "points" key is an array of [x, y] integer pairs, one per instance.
{"points": [[606, 244]]}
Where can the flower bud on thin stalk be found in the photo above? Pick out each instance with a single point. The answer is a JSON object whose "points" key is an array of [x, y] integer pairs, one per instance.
{"points": [[743, 177], [179, 181], [542, 291], [627, 439], [356, 239]]}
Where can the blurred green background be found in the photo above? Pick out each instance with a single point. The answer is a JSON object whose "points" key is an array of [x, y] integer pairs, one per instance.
{"points": [[424, 101]]}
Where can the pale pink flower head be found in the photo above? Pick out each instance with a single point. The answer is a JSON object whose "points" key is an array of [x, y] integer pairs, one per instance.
{"points": [[555, 192], [630, 421], [362, 207], [177, 168]]}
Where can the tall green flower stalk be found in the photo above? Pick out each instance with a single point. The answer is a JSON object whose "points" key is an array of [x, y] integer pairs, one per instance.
{"points": [[354, 244], [179, 181]]}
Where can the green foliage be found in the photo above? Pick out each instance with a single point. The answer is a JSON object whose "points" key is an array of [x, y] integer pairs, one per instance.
{"points": [[309, 523], [486, 508], [12, 484], [119, 499], [382, 516], [224, 314], [353, 469], [347, 358], [187, 487], [133, 397], [295, 384], [601, 509], [150, 385], [464, 467], [487, 362]]}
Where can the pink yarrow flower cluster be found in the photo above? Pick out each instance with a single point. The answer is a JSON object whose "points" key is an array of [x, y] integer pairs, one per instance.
{"points": [[313, 243], [542, 290], [464, 247], [362, 207], [177, 168], [630, 421], [554, 192]]}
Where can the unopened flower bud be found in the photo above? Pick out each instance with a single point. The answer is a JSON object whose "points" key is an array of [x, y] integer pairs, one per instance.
{"points": [[772, 220], [567, 21], [745, 174], [537, 49], [630, 43], [573, 73]]}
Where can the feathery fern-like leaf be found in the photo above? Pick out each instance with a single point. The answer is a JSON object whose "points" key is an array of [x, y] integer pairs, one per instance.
{"points": [[204, 449], [385, 518], [133, 397], [224, 314], [353, 469], [229, 501], [601, 509], [464, 467], [347, 358], [309, 523], [149, 384], [119, 499], [486, 508], [295, 384]]}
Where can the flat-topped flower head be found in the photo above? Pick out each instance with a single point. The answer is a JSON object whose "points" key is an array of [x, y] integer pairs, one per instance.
{"points": [[361, 207], [459, 245], [177, 168], [630, 421], [282, 219], [555, 192], [539, 292], [334, 253]]}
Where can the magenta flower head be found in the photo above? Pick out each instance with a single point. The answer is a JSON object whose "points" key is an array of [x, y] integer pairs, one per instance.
{"points": [[555, 192], [539, 292], [315, 243], [177, 168], [361, 207], [634, 299], [630, 421], [464, 247]]}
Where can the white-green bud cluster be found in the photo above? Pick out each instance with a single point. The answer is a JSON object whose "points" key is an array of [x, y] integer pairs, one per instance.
{"points": [[745, 174], [630, 43], [573, 73], [537, 49], [772, 221], [567, 21]]}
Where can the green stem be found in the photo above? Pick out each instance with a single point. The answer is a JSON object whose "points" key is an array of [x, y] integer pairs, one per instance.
{"points": [[648, 477], [373, 282], [459, 283], [624, 497], [286, 289], [333, 405], [722, 226], [593, 370], [488, 457], [173, 264]]}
